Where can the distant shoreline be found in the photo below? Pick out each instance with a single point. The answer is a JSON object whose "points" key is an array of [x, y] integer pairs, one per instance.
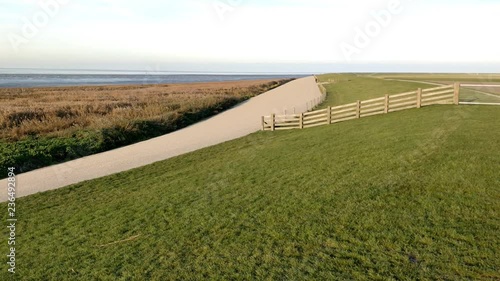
{"points": [[70, 80], [136, 72]]}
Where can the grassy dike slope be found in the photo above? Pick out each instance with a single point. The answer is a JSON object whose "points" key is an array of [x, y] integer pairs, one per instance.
{"points": [[413, 195], [349, 88]]}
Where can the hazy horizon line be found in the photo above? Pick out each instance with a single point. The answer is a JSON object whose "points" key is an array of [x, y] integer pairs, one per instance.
{"points": [[348, 69]]}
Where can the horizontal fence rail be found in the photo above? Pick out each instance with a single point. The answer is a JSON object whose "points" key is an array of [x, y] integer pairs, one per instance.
{"points": [[389, 103]]}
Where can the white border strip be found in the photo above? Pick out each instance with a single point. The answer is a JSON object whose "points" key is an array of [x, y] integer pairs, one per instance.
{"points": [[481, 85], [478, 103]]}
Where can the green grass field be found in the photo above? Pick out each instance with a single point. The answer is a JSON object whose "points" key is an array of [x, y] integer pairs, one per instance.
{"points": [[463, 77], [412, 195], [348, 88], [470, 95]]}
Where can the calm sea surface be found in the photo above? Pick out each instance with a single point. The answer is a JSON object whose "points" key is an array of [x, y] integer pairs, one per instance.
{"points": [[54, 80]]}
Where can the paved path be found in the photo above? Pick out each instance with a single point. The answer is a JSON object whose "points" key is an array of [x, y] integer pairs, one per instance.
{"points": [[231, 124]]}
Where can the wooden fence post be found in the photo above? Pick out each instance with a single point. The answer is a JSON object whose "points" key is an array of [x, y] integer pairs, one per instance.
{"points": [[419, 98], [273, 120], [358, 109], [386, 108], [301, 121], [263, 123], [329, 115], [456, 97]]}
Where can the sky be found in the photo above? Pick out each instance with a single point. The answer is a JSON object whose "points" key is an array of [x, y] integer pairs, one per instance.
{"points": [[251, 35]]}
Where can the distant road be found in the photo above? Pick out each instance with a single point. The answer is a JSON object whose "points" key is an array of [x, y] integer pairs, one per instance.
{"points": [[481, 85], [231, 124], [476, 87], [417, 81]]}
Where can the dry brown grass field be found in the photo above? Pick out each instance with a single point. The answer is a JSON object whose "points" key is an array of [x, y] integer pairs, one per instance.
{"points": [[61, 111], [40, 127]]}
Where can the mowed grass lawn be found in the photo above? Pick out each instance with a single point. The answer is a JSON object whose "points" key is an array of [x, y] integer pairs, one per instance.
{"points": [[349, 88], [470, 95], [413, 195], [471, 77]]}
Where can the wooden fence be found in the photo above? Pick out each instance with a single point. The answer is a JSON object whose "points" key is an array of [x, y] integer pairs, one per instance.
{"points": [[389, 103]]}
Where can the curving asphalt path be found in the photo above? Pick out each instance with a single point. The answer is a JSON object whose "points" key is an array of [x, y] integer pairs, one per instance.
{"points": [[237, 122]]}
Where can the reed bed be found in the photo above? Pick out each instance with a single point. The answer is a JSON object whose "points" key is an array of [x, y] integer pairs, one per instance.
{"points": [[62, 111], [45, 126]]}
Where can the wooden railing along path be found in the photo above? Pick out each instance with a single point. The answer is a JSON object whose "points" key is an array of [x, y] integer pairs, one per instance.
{"points": [[389, 103]]}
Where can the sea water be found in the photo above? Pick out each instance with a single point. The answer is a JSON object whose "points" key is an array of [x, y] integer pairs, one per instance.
{"points": [[29, 80]]}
